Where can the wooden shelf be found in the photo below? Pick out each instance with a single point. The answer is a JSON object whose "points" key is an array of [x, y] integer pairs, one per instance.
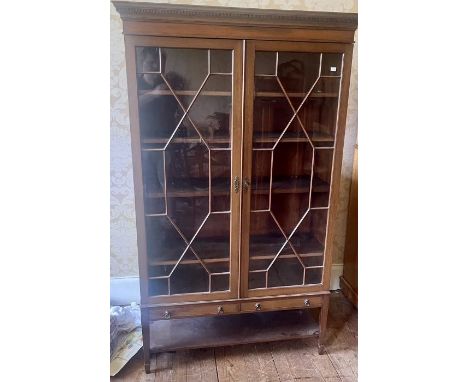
{"points": [[258, 138], [266, 137], [290, 186], [296, 95], [161, 92], [220, 93], [263, 246], [163, 141], [211, 250], [155, 262], [221, 188], [265, 250], [282, 186], [200, 332]]}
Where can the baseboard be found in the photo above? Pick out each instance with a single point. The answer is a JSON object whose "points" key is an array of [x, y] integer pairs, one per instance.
{"points": [[336, 272], [125, 290]]}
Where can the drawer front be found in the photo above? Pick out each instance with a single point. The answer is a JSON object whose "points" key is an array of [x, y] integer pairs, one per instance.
{"points": [[291, 303], [192, 311]]}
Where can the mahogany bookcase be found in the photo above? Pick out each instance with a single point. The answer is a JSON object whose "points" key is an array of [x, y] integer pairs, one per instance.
{"points": [[237, 124]]}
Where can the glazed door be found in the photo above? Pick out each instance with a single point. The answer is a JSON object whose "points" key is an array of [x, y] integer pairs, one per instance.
{"points": [[290, 142], [186, 128]]}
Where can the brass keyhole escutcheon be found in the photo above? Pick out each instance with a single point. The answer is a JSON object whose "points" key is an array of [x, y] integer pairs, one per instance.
{"points": [[220, 310], [306, 302], [166, 315], [236, 184], [258, 306], [246, 184]]}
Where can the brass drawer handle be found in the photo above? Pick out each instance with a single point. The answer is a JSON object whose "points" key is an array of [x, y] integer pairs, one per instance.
{"points": [[306, 302], [236, 184], [166, 315], [220, 310], [258, 306]]}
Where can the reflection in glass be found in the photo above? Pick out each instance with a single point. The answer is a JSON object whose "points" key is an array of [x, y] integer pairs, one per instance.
{"points": [[185, 109], [298, 73], [185, 70], [313, 276], [286, 270], [266, 237], [331, 64], [153, 180], [221, 180], [294, 123], [219, 282], [220, 61], [213, 243], [309, 240], [260, 184], [159, 113], [265, 63], [147, 59], [211, 114], [323, 164]]}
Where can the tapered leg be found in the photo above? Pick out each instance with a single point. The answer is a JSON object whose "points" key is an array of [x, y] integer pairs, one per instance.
{"points": [[146, 339], [323, 322]]}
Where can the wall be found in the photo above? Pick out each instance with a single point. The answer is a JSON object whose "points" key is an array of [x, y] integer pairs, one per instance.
{"points": [[123, 246]]}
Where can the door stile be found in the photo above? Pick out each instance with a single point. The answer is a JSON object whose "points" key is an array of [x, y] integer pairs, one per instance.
{"points": [[337, 162], [247, 162], [236, 165], [137, 166]]}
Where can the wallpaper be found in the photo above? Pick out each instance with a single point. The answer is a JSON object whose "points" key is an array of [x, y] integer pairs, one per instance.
{"points": [[123, 242]]}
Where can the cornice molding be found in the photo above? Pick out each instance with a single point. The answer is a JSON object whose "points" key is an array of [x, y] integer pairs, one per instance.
{"points": [[235, 16]]}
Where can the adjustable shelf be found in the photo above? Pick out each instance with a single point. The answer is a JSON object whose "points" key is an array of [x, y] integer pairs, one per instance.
{"points": [[219, 188], [296, 95], [220, 93], [288, 185], [272, 137], [264, 247], [283, 186], [163, 141], [163, 92], [156, 262], [268, 137], [210, 249]]}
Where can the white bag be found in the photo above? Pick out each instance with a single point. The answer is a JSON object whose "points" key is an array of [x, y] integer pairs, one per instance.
{"points": [[125, 335]]}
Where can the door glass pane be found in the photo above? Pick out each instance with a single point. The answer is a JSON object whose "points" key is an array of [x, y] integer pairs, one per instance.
{"points": [[220, 61], [294, 124], [185, 113]]}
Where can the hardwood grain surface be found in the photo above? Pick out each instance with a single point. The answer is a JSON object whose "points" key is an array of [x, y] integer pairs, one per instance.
{"points": [[273, 361]]}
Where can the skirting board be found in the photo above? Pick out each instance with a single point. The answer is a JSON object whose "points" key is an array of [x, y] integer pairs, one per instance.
{"points": [[336, 273], [125, 290]]}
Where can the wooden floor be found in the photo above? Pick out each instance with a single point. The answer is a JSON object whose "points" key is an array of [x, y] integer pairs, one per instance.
{"points": [[274, 361]]}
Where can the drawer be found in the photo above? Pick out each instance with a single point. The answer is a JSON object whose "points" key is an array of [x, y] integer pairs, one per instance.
{"points": [[280, 304], [193, 311]]}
